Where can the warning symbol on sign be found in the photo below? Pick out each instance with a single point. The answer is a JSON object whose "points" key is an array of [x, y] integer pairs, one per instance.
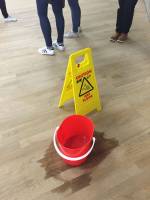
{"points": [[85, 87]]}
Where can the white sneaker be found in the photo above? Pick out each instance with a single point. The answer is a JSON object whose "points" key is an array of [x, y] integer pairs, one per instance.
{"points": [[46, 51], [59, 46], [71, 35], [10, 19]]}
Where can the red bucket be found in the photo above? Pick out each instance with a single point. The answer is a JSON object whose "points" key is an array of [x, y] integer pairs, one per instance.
{"points": [[75, 139]]}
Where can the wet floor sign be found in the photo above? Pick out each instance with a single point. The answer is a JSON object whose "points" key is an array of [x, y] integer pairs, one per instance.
{"points": [[80, 83]]}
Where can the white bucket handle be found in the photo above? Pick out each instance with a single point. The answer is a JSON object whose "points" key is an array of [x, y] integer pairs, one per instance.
{"points": [[67, 157]]}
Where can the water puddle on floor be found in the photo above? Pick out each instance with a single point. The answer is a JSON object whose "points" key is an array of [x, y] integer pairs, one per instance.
{"points": [[54, 165]]}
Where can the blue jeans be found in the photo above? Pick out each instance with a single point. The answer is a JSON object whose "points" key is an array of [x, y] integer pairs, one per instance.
{"points": [[42, 8], [125, 15], [75, 13], [3, 8]]}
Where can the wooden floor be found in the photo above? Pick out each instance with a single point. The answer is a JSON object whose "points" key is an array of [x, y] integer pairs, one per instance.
{"points": [[30, 86]]}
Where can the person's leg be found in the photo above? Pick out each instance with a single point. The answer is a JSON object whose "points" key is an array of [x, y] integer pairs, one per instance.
{"points": [[76, 19], [42, 8], [117, 33], [76, 14], [7, 18], [3, 8], [119, 16], [58, 12], [128, 12], [127, 18]]}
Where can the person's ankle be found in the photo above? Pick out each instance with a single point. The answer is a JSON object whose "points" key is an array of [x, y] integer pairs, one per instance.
{"points": [[124, 34], [60, 43], [75, 31], [6, 17], [50, 47]]}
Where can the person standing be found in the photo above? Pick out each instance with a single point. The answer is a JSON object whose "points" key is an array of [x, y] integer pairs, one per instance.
{"points": [[76, 19], [125, 15], [7, 17], [42, 8]]}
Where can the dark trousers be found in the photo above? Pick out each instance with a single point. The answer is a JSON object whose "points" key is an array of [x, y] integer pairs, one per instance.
{"points": [[42, 8], [125, 15], [75, 13], [3, 8]]}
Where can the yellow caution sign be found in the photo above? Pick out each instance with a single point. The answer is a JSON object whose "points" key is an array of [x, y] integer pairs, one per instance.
{"points": [[80, 83]]}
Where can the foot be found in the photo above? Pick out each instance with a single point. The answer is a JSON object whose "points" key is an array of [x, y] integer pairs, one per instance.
{"points": [[115, 37], [47, 51], [71, 35], [59, 46], [122, 38], [10, 19]]}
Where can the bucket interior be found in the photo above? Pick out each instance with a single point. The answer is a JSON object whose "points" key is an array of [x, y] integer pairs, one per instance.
{"points": [[75, 132]]}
